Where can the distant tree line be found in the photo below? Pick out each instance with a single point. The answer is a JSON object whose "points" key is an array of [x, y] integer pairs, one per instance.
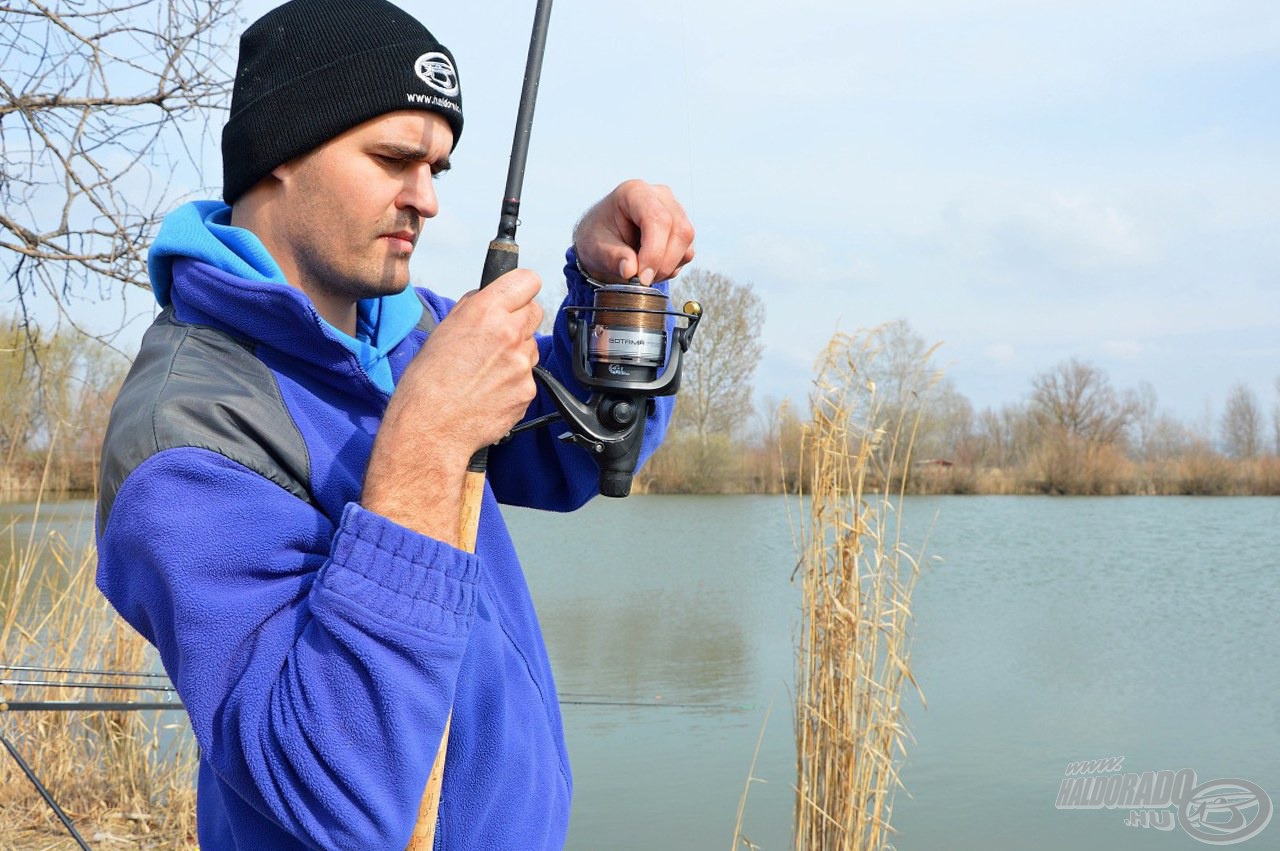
{"points": [[102, 106], [1076, 433], [1073, 433], [56, 391]]}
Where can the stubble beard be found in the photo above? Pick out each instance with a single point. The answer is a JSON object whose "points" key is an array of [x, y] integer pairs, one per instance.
{"points": [[357, 275]]}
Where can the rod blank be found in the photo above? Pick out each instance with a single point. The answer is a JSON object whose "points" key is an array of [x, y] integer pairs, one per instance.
{"points": [[44, 793], [79, 684], [83, 672]]}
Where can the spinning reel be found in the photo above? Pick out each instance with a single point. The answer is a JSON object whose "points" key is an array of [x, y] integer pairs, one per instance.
{"points": [[620, 347]]}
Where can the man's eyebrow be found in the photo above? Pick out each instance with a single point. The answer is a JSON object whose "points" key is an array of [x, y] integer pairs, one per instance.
{"points": [[413, 154]]}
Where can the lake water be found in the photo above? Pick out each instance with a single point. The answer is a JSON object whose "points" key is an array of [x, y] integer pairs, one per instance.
{"points": [[1049, 631], [1052, 630]]}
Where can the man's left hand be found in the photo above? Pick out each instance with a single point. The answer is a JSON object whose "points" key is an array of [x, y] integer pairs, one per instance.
{"points": [[637, 230]]}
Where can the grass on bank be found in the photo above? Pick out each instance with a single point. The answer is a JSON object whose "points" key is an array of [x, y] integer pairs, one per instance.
{"points": [[1064, 468], [125, 778]]}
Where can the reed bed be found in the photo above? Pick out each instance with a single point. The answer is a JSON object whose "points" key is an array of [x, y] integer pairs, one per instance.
{"points": [[856, 579], [125, 778]]}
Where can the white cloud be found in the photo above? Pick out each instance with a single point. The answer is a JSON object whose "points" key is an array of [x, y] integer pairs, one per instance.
{"points": [[1001, 353], [1026, 180], [1086, 231], [1123, 348]]}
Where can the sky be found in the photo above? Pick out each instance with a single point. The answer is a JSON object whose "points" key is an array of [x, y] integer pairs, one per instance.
{"points": [[1021, 182]]}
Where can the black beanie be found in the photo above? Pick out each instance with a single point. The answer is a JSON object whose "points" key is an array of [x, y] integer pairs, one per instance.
{"points": [[312, 69]]}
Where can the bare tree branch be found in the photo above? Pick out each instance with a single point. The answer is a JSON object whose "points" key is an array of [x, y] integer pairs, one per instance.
{"points": [[31, 103], [1242, 423], [101, 104], [715, 396], [1078, 398]]}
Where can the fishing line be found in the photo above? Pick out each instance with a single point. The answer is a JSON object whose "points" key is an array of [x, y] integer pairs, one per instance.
{"points": [[660, 704], [688, 112], [571, 698], [142, 705], [566, 698]]}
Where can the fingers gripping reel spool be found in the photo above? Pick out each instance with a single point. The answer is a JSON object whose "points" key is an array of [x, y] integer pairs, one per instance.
{"points": [[620, 346]]}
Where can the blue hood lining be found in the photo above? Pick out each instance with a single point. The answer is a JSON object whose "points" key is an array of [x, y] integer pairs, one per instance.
{"points": [[202, 231]]}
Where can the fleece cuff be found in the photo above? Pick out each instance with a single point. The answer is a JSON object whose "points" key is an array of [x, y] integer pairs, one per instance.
{"points": [[417, 581]]}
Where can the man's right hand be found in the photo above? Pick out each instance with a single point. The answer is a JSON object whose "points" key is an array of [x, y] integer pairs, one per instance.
{"points": [[472, 381]]}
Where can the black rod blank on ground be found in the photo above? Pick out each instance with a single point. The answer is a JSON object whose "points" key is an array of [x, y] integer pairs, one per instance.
{"points": [[44, 793]]}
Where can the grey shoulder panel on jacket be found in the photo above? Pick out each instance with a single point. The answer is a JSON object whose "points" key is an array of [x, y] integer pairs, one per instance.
{"points": [[194, 386]]}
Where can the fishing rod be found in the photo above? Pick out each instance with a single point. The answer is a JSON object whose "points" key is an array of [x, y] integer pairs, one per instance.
{"points": [[44, 792], [87, 705], [619, 346], [503, 256], [84, 684], [38, 676], [85, 672]]}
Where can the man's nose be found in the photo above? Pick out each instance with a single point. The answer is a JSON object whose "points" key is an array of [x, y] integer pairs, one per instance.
{"points": [[419, 192]]}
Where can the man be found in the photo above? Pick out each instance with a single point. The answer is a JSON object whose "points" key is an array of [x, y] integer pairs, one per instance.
{"points": [[282, 474]]}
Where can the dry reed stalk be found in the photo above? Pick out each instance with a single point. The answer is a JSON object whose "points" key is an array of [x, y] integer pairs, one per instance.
{"points": [[856, 580], [124, 777], [739, 838]]}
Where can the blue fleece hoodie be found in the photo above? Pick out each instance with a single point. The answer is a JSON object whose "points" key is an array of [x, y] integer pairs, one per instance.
{"points": [[317, 646]]}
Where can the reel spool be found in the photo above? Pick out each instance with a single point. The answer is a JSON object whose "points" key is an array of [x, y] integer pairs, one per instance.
{"points": [[628, 341], [620, 348], [621, 341]]}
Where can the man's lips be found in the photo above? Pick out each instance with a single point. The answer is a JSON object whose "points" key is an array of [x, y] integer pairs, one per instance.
{"points": [[402, 239]]}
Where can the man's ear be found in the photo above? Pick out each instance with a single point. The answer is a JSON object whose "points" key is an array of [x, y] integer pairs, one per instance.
{"points": [[283, 171], [250, 210]]}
